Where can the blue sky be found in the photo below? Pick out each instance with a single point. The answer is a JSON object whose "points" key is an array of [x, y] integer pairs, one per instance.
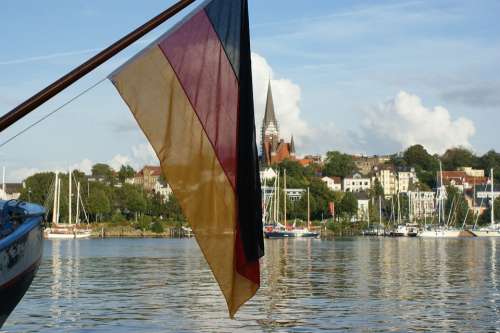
{"points": [[366, 77]]}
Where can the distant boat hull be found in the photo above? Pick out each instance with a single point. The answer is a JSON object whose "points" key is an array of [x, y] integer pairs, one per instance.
{"points": [[291, 234], [486, 233], [68, 232], [20, 256], [440, 233]]}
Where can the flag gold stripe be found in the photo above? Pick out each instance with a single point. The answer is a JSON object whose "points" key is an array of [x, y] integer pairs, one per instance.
{"points": [[153, 93]]}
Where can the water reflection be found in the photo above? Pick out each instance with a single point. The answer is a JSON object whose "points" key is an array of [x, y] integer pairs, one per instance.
{"points": [[359, 284]]}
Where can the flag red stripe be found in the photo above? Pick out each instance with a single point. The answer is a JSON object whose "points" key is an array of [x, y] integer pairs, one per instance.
{"points": [[203, 69]]}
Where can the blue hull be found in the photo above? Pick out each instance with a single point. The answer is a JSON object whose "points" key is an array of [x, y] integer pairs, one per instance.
{"points": [[20, 252]]}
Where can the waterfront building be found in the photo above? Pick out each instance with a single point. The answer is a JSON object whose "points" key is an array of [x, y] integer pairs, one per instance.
{"points": [[462, 181], [267, 174], [274, 148], [469, 171], [388, 180], [483, 197], [149, 178], [363, 206], [310, 159], [356, 183], [422, 204], [294, 194], [406, 179], [333, 183]]}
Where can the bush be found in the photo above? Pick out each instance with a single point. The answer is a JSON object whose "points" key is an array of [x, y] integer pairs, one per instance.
{"points": [[157, 227], [144, 223]]}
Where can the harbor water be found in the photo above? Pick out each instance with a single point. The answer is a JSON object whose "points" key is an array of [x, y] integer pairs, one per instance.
{"points": [[308, 285]]}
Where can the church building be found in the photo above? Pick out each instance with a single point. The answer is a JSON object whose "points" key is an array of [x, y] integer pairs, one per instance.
{"points": [[274, 148]]}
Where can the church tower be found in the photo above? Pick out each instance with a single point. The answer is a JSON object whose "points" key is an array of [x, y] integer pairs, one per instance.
{"points": [[270, 129], [274, 149]]}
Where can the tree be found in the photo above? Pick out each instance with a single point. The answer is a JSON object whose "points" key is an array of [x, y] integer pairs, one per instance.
{"points": [[417, 156], [98, 204], [425, 164], [485, 218], [37, 188], [126, 171], [377, 189], [454, 158], [101, 170], [339, 164], [348, 205], [491, 160]]}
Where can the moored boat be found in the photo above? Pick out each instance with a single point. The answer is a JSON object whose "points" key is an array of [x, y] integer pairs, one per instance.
{"points": [[21, 246]]}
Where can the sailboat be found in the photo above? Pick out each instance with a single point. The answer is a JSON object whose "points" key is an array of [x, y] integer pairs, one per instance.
{"points": [[493, 230], [442, 229], [67, 230], [278, 230]]}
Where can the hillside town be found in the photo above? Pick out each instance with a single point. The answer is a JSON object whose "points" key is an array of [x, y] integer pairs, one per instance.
{"points": [[347, 186]]}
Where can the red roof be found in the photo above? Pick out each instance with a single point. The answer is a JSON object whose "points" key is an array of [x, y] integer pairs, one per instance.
{"points": [[153, 169]]}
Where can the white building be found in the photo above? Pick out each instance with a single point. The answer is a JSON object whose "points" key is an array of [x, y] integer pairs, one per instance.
{"points": [[356, 183], [422, 204], [294, 194], [405, 179], [469, 171], [267, 174], [388, 181], [363, 206], [163, 189], [333, 183]]}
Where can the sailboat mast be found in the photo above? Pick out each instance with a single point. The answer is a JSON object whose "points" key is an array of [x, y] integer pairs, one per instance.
{"points": [[77, 217], [308, 211], [399, 211], [58, 199], [492, 217], [284, 195], [54, 210], [278, 198], [379, 210], [69, 198]]}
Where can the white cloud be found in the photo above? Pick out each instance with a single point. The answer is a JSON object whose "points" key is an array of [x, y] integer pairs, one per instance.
{"points": [[405, 121], [286, 96], [18, 175], [118, 160], [84, 165], [143, 154]]}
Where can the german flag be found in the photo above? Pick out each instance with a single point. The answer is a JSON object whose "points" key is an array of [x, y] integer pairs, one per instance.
{"points": [[191, 94]]}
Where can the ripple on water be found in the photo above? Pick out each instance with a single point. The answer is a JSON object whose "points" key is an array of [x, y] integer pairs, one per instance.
{"points": [[351, 284]]}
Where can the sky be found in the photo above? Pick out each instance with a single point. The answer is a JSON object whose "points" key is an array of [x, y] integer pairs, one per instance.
{"points": [[364, 77]]}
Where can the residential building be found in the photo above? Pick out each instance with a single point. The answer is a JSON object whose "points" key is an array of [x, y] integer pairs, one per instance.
{"points": [[422, 204], [149, 177], [469, 171], [310, 159], [388, 180], [461, 180], [294, 194], [274, 148], [333, 183], [267, 174], [405, 180], [356, 183], [363, 206], [484, 196]]}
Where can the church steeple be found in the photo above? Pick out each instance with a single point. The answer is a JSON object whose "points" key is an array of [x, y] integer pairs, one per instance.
{"points": [[269, 115]]}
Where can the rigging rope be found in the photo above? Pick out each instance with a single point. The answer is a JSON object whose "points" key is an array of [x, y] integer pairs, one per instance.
{"points": [[52, 112]]}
